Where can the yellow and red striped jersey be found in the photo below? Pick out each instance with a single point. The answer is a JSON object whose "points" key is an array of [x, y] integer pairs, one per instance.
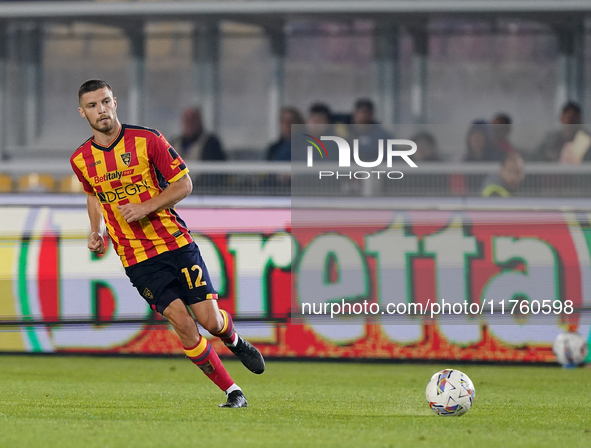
{"points": [[135, 167]]}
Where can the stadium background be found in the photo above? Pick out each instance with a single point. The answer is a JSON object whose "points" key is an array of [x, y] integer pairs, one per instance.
{"points": [[441, 63]]}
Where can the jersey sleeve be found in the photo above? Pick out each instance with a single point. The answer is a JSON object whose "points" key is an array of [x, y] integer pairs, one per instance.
{"points": [[166, 159], [85, 184]]}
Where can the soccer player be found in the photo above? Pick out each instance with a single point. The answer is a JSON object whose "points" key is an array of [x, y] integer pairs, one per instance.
{"points": [[133, 178]]}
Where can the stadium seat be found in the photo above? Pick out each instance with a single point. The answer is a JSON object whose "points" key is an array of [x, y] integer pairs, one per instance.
{"points": [[36, 183], [70, 184], [5, 183]]}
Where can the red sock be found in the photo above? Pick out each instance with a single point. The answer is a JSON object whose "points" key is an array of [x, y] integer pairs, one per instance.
{"points": [[227, 334], [204, 356]]}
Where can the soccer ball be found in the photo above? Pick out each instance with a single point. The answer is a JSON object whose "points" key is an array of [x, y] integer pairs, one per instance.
{"points": [[570, 349], [450, 393]]}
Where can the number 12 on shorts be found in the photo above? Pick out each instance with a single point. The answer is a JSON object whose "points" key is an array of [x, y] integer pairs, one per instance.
{"points": [[198, 282]]}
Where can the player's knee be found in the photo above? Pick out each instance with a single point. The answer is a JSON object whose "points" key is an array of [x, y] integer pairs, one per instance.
{"points": [[184, 325], [179, 318], [214, 325]]}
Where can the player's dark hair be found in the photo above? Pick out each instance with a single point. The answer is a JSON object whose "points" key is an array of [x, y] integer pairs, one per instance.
{"points": [[92, 85]]}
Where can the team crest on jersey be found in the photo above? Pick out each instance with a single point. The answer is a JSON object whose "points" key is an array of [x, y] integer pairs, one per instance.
{"points": [[148, 294], [126, 158]]}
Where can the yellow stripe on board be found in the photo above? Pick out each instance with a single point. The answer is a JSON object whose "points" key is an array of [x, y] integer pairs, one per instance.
{"points": [[10, 337], [10, 230]]}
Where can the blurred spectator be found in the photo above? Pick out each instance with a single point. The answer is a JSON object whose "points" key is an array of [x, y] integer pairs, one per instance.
{"points": [[571, 143], [367, 131], [195, 143], [479, 146], [281, 149], [501, 128], [506, 182], [427, 150], [319, 120]]}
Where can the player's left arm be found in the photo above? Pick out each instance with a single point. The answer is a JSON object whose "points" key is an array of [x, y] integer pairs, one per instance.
{"points": [[174, 193], [163, 156]]}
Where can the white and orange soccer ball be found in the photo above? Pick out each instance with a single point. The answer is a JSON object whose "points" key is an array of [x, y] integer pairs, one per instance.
{"points": [[571, 349], [450, 393]]}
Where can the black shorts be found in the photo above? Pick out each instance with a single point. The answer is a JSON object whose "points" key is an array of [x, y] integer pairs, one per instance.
{"points": [[176, 274]]}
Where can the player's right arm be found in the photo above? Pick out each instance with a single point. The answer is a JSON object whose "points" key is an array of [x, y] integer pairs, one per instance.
{"points": [[96, 243]]}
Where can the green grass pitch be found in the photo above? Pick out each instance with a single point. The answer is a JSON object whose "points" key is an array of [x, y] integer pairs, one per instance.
{"points": [[131, 402]]}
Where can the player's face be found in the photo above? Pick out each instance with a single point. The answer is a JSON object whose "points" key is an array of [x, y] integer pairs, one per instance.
{"points": [[100, 109]]}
